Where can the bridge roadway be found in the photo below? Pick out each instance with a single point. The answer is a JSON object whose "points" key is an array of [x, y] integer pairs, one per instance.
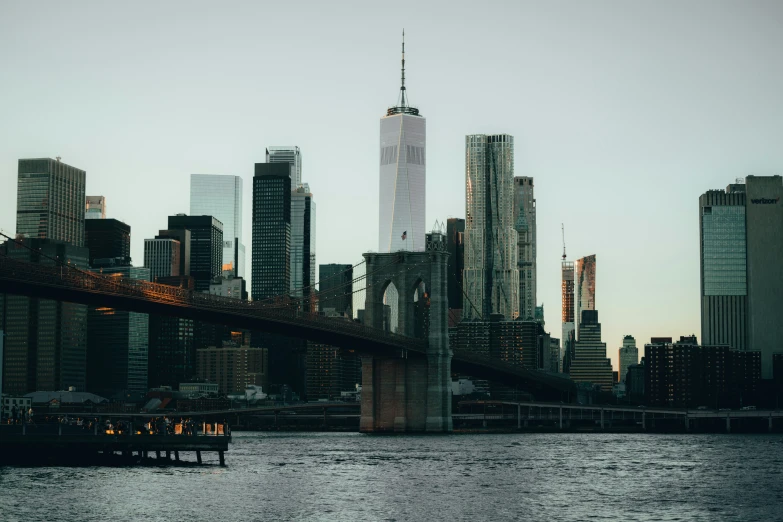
{"points": [[66, 283]]}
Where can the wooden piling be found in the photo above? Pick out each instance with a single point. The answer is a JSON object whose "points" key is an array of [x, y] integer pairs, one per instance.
{"points": [[198, 456], [222, 458]]}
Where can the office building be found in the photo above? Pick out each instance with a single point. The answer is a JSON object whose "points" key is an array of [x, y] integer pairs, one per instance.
{"points": [[330, 371], [232, 287], [629, 354], [206, 247], [172, 348], [45, 340], [302, 241], [741, 232], [271, 249], [95, 207], [585, 286], [490, 276], [221, 197], [290, 155], [233, 368], [117, 345], [525, 225], [455, 245], [107, 239], [335, 289], [402, 188], [50, 201], [589, 363], [162, 257], [183, 237], [567, 312]]}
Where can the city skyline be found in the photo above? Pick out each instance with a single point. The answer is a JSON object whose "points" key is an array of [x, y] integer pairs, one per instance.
{"points": [[656, 132]]}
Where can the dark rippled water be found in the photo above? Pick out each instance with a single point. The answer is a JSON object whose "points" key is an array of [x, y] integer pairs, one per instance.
{"points": [[329, 476]]}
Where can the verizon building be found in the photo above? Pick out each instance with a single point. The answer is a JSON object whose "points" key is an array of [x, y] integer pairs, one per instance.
{"points": [[741, 231], [402, 192]]}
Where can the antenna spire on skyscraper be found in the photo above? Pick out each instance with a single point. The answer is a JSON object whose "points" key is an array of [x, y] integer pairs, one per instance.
{"points": [[402, 103]]}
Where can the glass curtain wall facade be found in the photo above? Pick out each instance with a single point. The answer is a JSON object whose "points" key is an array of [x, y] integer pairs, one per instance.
{"points": [[290, 155], [455, 245], [302, 240], [491, 274], [221, 196], [585, 286], [107, 238], [50, 201], [206, 247], [525, 225], [271, 249], [117, 346], [567, 310]]}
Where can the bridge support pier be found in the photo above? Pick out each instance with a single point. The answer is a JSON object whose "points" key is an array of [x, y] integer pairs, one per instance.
{"points": [[728, 423], [769, 424], [409, 391]]}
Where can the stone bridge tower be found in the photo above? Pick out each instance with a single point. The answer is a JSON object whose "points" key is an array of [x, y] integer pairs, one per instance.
{"points": [[410, 392]]}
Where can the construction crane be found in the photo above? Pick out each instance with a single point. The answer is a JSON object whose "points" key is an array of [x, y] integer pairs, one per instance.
{"points": [[562, 230]]}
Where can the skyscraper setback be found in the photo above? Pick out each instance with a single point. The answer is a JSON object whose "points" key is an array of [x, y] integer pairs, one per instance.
{"points": [[491, 274], [402, 196]]}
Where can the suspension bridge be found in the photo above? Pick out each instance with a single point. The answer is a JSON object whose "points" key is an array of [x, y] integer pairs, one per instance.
{"points": [[406, 375]]}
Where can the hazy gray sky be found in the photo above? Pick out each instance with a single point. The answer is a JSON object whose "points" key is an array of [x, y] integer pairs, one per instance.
{"points": [[623, 112]]}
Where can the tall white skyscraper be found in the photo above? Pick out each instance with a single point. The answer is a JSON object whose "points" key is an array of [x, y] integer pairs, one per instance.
{"points": [[291, 155], [490, 275], [220, 196], [402, 196]]}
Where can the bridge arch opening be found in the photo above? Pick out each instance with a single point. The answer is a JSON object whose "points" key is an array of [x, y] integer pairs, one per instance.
{"points": [[391, 307], [421, 310]]}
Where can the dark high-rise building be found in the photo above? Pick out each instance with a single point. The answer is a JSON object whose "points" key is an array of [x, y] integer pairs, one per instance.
{"points": [[741, 232], [206, 247], [107, 239], [117, 345], [50, 201], [172, 348], [589, 363], [271, 249], [45, 340], [525, 225], [455, 245], [302, 241], [335, 290], [331, 370]]}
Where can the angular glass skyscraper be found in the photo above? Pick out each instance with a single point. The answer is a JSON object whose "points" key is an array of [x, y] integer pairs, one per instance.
{"points": [[491, 275], [287, 154], [525, 225], [221, 196], [50, 201], [302, 240], [402, 188], [585, 287]]}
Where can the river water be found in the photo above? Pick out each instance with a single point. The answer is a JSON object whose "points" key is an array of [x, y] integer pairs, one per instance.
{"points": [[339, 476]]}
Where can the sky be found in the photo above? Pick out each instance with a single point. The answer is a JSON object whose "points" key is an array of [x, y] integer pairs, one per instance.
{"points": [[622, 112]]}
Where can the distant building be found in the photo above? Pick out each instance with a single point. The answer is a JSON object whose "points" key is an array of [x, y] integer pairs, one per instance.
{"points": [[290, 155], [107, 239], [233, 368], [741, 240], [118, 345], [199, 389], [50, 201], [206, 249], [45, 340], [302, 241], [585, 287], [172, 349], [162, 257], [331, 371], [523, 343], [271, 249], [567, 312], [455, 245], [95, 207], [335, 290], [525, 225], [221, 196], [634, 382], [233, 287], [491, 273], [590, 364], [629, 354], [184, 238]]}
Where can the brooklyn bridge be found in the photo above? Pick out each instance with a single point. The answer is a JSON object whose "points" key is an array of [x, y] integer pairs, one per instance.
{"points": [[406, 380]]}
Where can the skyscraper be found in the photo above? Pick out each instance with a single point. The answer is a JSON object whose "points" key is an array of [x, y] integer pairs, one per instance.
{"points": [[402, 194], [741, 232], [567, 311], [302, 240], [206, 247], [585, 286], [95, 207], [221, 196], [162, 257], [455, 244], [107, 238], [50, 201], [590, 364], [271, 249], [525, 225], [335, 288], [491, 275], [290, 155], [629, 355]]}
